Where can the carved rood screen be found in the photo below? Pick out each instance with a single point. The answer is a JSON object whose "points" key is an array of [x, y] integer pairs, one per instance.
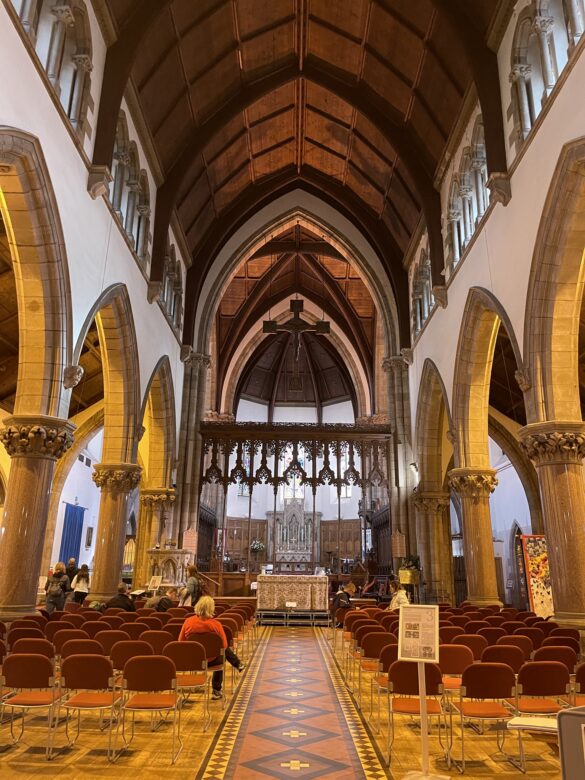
{"points": [[311, 455]]}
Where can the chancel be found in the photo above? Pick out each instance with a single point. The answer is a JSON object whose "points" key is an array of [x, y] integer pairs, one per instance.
{"points": [[292, 340]]}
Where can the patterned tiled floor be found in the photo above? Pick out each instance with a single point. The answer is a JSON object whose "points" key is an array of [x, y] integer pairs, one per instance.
{"points": [[293, 718]]}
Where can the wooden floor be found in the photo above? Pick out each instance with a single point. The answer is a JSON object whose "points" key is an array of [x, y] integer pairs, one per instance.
{"points": [[245, 742]]}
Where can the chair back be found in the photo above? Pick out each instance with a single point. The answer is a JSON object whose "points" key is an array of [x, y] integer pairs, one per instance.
{"points": [[30, 632], [473, 614], [39, 619], [3, 650], [27, 670], [145, 611], [564, 655], [531, 621], [572, 632], [164, 617], [153, 623], [53, 626], [525, 613], [122, 651], [492, 634], [388, 655], [75, 619], [488, 681], [148, 673], [351, 615], [448, 633], [509, 613], [34, 646], [534, 633], [374, 642], [227, 630], [87, 672], [403, 678], [543, 678], [108, 639], [557, 640], [187, 656], [365, 628], [113, 621], [210, 641], [454, 659], [474, 625], [476, 643], [23, 623], [237, 617], [357, 624], [546, 626], [510, 626], [114, 611], [128, 617], [178, 611], [65, 635], [517, 640], [93, 627], [459, 620], [388, 621], [504, 654], [495, 620], [135, 630], [56, 614], [157, 640], [81, 647], [174, 629]]}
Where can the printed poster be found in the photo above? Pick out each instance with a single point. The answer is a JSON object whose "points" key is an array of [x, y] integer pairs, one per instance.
{"points": [[538, 575], [418, 633]]}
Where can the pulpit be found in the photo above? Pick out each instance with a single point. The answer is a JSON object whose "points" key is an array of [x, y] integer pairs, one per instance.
{"points": [[306, 591]]}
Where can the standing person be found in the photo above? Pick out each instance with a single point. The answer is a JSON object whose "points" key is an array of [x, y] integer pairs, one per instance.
{"points": [[72, 570], [122, 600], [203, 622], [342, 598], [193, 590], [56, 587], [80, 584], [399, 596]]}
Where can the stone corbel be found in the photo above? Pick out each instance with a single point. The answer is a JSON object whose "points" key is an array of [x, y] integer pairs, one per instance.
{"points": [[500, 188], [522, 378], [98, 181], [72, 376], [440, 295], [154, 292]]}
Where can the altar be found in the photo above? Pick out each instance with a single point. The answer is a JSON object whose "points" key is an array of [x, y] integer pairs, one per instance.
{"points": [[307, 591]]}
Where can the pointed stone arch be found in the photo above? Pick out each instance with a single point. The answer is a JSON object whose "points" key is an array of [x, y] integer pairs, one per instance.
{"points": [[37, 247], [481, 321], [158, 416], [432, 410], [555, 293]]}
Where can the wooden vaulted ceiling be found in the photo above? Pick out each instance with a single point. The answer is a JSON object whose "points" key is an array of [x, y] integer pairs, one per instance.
{"points": [[8, 325], [354, 98]]}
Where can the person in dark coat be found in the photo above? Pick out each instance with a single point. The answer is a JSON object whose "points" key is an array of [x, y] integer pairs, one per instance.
{"points": [[56, 587], [342, 599], [72, 570], [122, 600]]}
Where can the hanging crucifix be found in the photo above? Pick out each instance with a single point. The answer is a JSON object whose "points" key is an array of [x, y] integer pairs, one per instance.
{"points": [[296, 325]]}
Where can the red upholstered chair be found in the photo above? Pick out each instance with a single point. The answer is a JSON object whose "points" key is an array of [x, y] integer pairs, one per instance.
{"points": [[511, 625], [65, 635], [134, 630], [485, 687], [24, 623], [178, 611], [389, 620], [523, 642], [81, 647], [128, 617], [504, 654], [75, 618], [556, 640], [492, 634], [153, 623], [579, 695], [495, 620], [564, 655], [53, 626], [476, 643], [29, 632], [113, 621], [534, 633], [448, 633], [34, 646], [37, 618], [572, 632], [403, 697], [93, 627], [87, 682], [473, 614], [474, 625], [509, 613], [546, 626], [115, 611], [443, 622], [174, 629], [453, 661], [150, 686], [56, 614], [523, 614], [531, 620], [214, 652], [122, 651], [145, 611], [108, 639], [460, 620], [29, 686], [191, 664], [157, 640], [371, 645]]}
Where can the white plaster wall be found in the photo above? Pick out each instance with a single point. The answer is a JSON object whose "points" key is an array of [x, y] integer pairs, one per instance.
{"points": [[500, 257], [79, 487], [97, 252]]}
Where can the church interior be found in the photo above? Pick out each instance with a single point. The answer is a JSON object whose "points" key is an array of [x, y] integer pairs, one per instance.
{"points": [[292, 385]]}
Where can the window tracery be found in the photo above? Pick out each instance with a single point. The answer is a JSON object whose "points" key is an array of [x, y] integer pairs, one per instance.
{"points": [[422, 299], [172, 287]]}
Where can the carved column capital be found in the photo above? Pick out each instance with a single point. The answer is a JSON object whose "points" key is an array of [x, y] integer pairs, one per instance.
{"points": [[83, 62], [554, 442], [520, 72], [397, 363], [157, 498], [39, 436], [64, 14], [431, 502], [543, 24], [473, 483], [195, 359], [120, 477], [453, 215]]}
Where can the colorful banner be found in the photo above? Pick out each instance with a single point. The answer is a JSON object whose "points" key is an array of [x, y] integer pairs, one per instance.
{"points": [[538, 575]]}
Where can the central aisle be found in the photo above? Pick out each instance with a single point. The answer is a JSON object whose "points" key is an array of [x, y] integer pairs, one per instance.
{"points": [[292, 717]]}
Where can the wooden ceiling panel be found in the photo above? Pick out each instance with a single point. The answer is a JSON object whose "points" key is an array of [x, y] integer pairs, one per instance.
{"points": [[365, 189], [331, 134], [238, 180], [276, 159], [333, 48], [203, 44], [163, 88], [324, 160], [275, 129], [215, 86], [366, 160], [396, 43], [360, 298], [257, 268], [187, 14], [335, 268], [441, 96], [200, 224], [274, 102], [174, 132], [328, 103], [427, 129], [416, 16], [349, 17], [386, 83], [256, 15], [268, 49]]}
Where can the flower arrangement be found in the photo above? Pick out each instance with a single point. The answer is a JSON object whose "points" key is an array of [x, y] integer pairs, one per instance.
{"points": [[256, 546], [411, 562]]}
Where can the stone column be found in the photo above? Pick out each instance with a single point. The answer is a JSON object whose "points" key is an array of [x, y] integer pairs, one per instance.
{"points": [[116, 481], [477, 166], [83, 67], [575, 22], [143, 237], [434, 540], [466, 192], [63, 18], [557, 450], [543, 26], [34, 444], [29, 16], [153, 503], [123, 159], [519, 76], [474, 487], [133, 187], [453, 218]]}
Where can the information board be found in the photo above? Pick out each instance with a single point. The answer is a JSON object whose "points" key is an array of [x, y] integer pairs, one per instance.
{"points": [[154, 583], [418, 633]]}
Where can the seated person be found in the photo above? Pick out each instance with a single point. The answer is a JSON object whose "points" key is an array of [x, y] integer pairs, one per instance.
{"points": [[122, 600], [342, 599], [202, 622], [399, 596], [163, 601]]}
